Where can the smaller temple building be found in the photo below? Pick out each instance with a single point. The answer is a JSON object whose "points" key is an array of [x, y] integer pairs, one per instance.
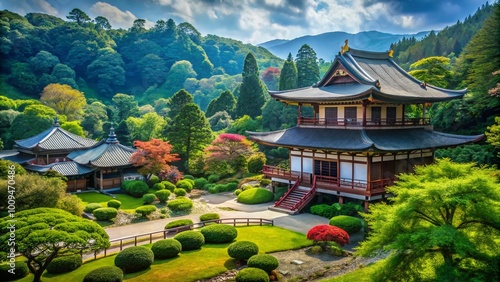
{"points": [[88, 164]]}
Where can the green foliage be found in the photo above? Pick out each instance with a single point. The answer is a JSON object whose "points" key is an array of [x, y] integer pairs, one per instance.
{"points": [[226, 102], [265, 262], [214, 189], [167, 248], [168, 185], [105, 213], [336, 209], [493, 134], [288, 75], [21, 271], [255, 196], [252, 90], [432, 70], [190, 240], [454, 224], [244, 124], [256, 162], [179, 223], [5, 167], [242, 250], [200, 182], [148, 198], [71, 203], [135, 188], [219, 233], [251, 274], [64, 264], [231, 186], [307, 66], [180, 204], [209, 216], [145, 210], [114, 204], [159, 186], [349, 223], [180, 192], [108, 273], [477, 153], [237, 192], [134, 259], [323, 210], [185, 184], [92, 206], [162, 195], [213, 178], [107, 70]]}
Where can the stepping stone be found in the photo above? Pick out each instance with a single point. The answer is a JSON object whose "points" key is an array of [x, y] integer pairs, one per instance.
{"points": [[297, 262]]}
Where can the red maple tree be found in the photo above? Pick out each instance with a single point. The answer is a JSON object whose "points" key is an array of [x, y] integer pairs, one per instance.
{"points": [[153, 157], [328, 233], [228, 148]]}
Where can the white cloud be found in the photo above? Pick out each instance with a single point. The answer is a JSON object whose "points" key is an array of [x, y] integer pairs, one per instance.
{"points": [[116, 17], [46, 7]]}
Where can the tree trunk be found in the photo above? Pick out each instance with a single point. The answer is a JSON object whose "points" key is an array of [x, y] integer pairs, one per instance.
{"points": [[37, 276], [448, 257]]}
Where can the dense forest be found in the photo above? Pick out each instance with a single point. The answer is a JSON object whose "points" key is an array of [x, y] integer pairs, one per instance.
{"points": [[172, 83]]}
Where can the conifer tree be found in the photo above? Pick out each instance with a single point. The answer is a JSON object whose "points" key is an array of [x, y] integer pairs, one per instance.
{"points": [[225, 102], [307, 66], [288, 76], [179, 100], [252, 90]]}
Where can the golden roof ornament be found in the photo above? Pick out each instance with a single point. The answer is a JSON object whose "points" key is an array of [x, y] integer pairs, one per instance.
{"points": [[344, 48], [391, 52]]}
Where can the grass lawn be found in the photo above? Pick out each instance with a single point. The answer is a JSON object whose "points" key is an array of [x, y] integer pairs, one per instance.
{"points": [[129, 203], [207, 262], [359, 275]]}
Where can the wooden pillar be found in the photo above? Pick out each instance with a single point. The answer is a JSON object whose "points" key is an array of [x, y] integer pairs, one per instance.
{"points": [[365, 102], [366, 205], [403, 117], [338, 168], [300, 113], [423, 112], [100, 185], [368, 171], [47, 158], [341, 200], [316, 110]]}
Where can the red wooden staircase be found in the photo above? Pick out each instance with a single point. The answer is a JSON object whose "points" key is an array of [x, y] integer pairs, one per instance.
{"points": [[295, 199]]}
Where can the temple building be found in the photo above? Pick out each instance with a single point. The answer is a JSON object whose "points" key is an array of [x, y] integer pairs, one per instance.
{"points": [[88, 164], [359, 138]]}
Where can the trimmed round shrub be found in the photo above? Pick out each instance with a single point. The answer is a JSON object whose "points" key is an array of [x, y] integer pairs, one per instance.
{"points": [[91, 207], [114, 204], [134, 259], [231, 186], [153, 180], [180, 192], [251, 274], [349, 223], [209, 216], [64, 264], [323, 210], [247, 186], [159, 186], [219, 233], [190, 240], [146, 210], [213, 189], [168, 185], [255, 196], [137, 188], [242, 250], [167, 248], [207, 186], [162, 195], [21, 271], [108, 273], [188, 176], [265, 182], [186, 184], [178, 223], [104, 214], [200, 182], [180, 204], [265, 262], [256, 162], [237, 192], [213, 178], [148, 198]]}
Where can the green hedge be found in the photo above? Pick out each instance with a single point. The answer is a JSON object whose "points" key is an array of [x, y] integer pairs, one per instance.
{"points": [[159, 186], [179, 223], [135, 188], [199, 183], [256, 162], [64, 264], [91, 207], [21, 271], [108, 273], [180, 204], [213, 178], [219, 233], [349, 223], [162, 195], [213, 189], [104, 214], [180, 192], [251, 274], [134, 259], [145, 210], [242, 250], [168, 185], [186, 184], [265, 262], [255, 196], [209, 216], [114, 204], [190, 240], [148, 198], [167, 248], [323, 210]]}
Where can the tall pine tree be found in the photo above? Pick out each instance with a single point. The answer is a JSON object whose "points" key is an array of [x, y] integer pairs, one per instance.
{"points": [[225, 102], [288, 76], [307, 66], [252, 90], [179, 100]]}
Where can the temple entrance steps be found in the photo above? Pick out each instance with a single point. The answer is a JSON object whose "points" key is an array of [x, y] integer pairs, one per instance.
{"points": [[292, 202]]}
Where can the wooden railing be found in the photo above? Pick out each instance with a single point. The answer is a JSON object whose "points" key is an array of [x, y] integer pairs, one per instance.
{"points": [[148, 238], [276, 171], [295, 185], [359, 122], [306, 198]]}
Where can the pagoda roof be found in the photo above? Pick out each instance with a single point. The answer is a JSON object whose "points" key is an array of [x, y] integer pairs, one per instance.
{"points": [[64, 168], [16, 156], [53, 139], [107, 153], [367, 75], [390, 140]]}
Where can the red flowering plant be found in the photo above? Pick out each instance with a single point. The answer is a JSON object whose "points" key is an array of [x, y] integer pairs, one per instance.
{"points": [[325, 234]]}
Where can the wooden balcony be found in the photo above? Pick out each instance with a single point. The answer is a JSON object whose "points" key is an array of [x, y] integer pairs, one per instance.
{"points": [[344, 122], [334, 184]]}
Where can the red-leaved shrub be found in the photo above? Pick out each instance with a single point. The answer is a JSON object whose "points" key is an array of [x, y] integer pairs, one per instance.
{"points": [[328, 233]]}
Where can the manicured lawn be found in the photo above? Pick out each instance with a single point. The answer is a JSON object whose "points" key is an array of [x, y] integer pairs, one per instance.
{"points": [[129, 203], [210, 261], [359, 275]]}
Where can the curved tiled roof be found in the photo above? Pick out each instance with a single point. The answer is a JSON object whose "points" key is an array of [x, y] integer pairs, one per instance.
{"points": [[361, 139], [55, 138], [104, 155], [374, 75], [64, 168]]}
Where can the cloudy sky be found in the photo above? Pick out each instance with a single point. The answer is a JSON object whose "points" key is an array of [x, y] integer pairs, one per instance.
{"points": [[257, 21]]}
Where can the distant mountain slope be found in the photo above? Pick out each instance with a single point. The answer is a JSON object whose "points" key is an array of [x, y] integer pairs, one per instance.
{"points": [[327, 45]]}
